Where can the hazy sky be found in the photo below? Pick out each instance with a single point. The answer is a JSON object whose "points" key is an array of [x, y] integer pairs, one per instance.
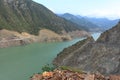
{"points": [[97, 8]]}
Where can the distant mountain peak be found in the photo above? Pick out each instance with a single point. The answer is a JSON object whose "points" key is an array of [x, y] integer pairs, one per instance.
{"points": [[119, 21], [82, 22]]}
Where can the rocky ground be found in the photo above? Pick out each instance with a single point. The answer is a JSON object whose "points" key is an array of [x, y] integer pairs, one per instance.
{"points": [[12, 38], [101, 56], [71, 75]]}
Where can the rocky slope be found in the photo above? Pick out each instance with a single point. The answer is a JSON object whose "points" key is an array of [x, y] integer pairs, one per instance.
{"points": [[111, 36], [71, 75], [12, 38], [101, 56], [64, 57]]}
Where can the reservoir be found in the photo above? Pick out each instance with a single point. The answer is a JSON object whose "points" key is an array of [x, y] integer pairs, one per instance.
{"points": [[19, 63]]}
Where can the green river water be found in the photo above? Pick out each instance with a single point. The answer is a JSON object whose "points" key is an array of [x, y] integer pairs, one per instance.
{"points": [[19, 63]]}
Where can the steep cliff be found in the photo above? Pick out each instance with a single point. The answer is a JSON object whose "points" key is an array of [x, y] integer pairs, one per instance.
{"points": [[111, 36], [102, 56], [66, 56]]}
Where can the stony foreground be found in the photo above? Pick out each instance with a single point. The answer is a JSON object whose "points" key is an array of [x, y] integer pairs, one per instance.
{"points": [[70, 75]]}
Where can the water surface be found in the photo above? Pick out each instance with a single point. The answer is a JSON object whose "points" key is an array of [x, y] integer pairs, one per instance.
{"points": [[19, 63]]}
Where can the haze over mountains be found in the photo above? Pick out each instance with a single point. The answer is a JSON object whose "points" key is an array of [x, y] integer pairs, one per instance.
{"points": [[103, 23], [90, 23], [84, 24]]}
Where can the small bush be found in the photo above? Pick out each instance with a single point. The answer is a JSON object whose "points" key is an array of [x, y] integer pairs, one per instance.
{"points": [[48, 68], [71, 69]]}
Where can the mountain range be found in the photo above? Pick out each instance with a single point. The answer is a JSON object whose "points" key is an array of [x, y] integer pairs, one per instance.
{"points": [[103, 23], [84, 23], [90, 24]]}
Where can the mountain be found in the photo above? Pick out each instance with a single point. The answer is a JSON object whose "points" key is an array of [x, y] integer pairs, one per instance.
{"points": [[90, 23], [25, 21], [101, 56], [84, 23], [29, 16], [103, 23]]}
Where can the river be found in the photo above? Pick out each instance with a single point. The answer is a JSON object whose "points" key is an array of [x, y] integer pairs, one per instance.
{"points": [[19, 63]]}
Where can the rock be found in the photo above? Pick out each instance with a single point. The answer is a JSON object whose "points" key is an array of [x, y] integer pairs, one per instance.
{"points": [[47, 74], [13, 38], [101, 56], [114, 77], [66, 56], [90, 77], [46, 35], [77, 34], [58, 74], [111, 36]]}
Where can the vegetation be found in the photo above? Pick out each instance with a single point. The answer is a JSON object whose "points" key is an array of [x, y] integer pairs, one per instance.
{"points": [[48, 68], [71, 69]]}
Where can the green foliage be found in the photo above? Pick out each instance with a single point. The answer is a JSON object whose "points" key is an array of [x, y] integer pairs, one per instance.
{"points": [[48, 67], [71, 69]]}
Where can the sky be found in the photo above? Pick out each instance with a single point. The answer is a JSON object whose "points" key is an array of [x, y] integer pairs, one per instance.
{"points": [[92, 8]]}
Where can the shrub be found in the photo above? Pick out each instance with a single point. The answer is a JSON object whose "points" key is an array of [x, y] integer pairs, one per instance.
{"points": [[48, 68], [71, 69]]}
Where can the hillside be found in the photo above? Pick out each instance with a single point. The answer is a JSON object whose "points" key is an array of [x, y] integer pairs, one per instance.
{"points": [[82, 22], [29, 16], [13, 38], [101, 56]]}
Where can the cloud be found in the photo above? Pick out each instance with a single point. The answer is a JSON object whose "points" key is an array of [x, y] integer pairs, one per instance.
{"points": [[112, 14]]}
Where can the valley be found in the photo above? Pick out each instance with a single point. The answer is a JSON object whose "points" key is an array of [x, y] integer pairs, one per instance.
{"points": [[80, 40]]}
